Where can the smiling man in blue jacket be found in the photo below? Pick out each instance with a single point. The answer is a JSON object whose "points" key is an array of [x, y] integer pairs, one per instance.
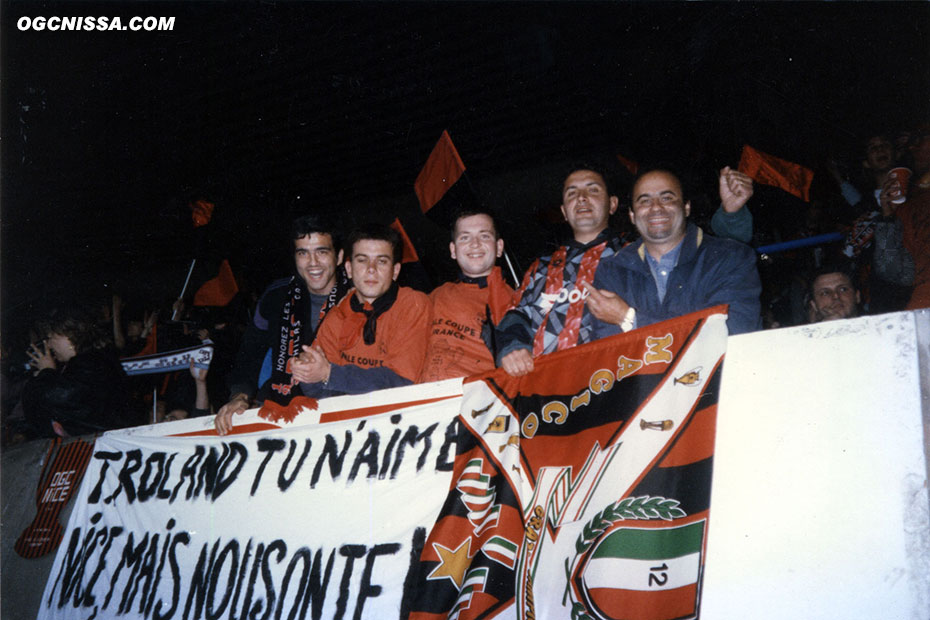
{"points": [[675, 268]]}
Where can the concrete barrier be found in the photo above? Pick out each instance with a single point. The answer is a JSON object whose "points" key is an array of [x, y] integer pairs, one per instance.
{"points": [[819, 508]]}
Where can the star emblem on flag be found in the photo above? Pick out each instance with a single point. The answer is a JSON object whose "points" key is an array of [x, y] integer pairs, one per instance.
{"points": [[452, 563]]}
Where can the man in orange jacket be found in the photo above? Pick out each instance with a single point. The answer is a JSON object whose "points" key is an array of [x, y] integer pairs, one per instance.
{"points": [[376, 336], [461, 339]]}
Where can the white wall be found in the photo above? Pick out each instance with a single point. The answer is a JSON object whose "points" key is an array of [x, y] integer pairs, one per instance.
{"points": [[820, 506], [820, 503]]}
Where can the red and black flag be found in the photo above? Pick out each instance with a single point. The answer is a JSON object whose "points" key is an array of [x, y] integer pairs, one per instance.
{"points": [[410, 253], [442, 169], [218, 291], [582, 490], [781, 173]]}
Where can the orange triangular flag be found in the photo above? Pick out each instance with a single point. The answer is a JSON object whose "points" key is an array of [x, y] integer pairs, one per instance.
{"points": [[770, 170], [410, 252], [443, 168], [201, 212], [629, 164], [218, 291]]}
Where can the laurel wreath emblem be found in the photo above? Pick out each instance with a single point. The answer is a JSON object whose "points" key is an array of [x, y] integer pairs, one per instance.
{"points": [[644, 507]]}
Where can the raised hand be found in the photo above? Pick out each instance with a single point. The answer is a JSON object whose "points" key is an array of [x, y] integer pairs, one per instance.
{"points": [[735, 189]]}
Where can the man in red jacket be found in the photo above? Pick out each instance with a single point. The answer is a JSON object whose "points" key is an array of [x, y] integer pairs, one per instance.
{"points": [[461, 339], [376, 336]]}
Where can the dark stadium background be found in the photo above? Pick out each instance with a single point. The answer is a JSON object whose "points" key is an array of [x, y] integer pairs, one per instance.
{"points": [[270, 109]]}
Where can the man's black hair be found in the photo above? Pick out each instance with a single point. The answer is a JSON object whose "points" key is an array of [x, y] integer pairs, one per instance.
{"points": [[376, 232], [606, 169], [462, 213], [315, 223], [844, 267]]}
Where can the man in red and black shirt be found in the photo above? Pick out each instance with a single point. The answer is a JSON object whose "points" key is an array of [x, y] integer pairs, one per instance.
{"points": [[550, 312]]}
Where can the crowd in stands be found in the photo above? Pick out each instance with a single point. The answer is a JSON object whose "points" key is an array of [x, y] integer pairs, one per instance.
{"points": [[341, 324]]}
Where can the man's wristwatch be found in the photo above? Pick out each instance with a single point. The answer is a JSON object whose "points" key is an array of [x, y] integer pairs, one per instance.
{"points": [[627, 323]]}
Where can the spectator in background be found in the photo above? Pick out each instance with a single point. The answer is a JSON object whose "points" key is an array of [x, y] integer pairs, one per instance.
{"points": [[15, 372], [79, 385], [892, 266], [186, 396], [217, 325], [914, 215], [877, 159], [832, 295], [874, 239], [131, 327]]}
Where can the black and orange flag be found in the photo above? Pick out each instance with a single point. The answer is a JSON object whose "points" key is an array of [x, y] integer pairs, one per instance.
{"points": [[783, 174], [410, 253], [217, 291], [442, 169], [201, 212]]}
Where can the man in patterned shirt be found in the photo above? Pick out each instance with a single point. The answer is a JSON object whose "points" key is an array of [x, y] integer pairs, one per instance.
{"points": [[550, 312]]}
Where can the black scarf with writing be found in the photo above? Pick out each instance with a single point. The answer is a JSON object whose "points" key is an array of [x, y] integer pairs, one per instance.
{"points": [[295, 333]]}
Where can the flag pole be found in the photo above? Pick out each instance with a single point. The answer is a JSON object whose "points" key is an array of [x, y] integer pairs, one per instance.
{"points": [[510, 266], [184, 288]]}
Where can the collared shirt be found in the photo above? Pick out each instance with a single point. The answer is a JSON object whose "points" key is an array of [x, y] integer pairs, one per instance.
{"points": [[663, 267]]}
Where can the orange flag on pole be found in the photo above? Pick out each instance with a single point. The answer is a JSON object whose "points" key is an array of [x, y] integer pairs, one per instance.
{"points": [[410, 253], [442, 169], [770, 170], [217, 291]]}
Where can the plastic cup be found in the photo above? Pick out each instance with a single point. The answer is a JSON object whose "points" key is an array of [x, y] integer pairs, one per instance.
{"points": [[903, 177]]}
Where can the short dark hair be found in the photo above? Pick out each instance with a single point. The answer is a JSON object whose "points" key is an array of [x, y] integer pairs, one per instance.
{"points": [[463, 213], [597, 167], [659, 168], [845, 268], [376, 232], [315, 224]]}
